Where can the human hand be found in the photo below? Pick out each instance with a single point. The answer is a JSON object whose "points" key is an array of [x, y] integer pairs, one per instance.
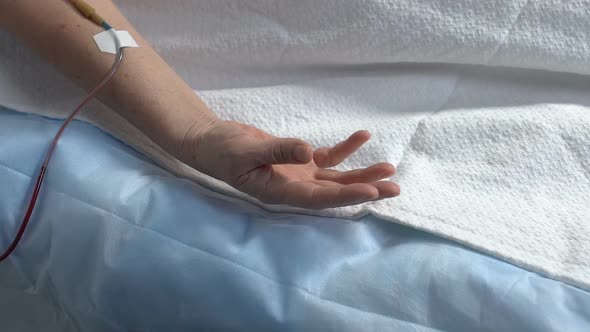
{"points": [[285, 170]]}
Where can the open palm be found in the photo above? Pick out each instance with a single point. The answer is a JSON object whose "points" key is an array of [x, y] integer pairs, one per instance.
{"points": [[286, 170]]}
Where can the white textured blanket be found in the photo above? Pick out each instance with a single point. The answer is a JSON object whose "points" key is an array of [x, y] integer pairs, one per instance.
{"points": [[497, 158]]}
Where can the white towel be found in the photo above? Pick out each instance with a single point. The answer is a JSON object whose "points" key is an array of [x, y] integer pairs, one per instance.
{"points": [[495, 158]]}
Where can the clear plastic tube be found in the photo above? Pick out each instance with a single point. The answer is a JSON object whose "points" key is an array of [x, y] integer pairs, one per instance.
{"points": [[51, 149]]}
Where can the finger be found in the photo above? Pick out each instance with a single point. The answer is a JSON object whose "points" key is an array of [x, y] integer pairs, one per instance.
{"points": [[285, 151], [330, 157], [311, 196], [387, 189], [335, 196], [370, 174]]}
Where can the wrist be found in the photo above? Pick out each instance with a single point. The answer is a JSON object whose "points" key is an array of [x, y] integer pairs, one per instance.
{"points": [[185, 146], [170, 119]]}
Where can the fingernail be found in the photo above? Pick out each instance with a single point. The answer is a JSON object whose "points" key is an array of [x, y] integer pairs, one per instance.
{"points": [[301, 153]]}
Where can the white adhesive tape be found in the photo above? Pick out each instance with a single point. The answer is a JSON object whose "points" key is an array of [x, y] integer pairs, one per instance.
{"points": [[106, 40]]}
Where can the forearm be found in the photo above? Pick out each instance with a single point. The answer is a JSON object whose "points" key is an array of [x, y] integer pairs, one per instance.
{"points": [[145, 90]]}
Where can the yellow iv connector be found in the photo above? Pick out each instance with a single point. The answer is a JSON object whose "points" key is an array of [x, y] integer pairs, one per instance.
{"points": [[89, 12]]}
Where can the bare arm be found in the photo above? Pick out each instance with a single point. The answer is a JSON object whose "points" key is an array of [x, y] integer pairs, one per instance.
{"points": [[148, 93], [145, 90]]}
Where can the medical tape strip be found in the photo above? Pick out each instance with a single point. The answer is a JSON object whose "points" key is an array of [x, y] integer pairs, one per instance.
{"points": [[106, 40]]}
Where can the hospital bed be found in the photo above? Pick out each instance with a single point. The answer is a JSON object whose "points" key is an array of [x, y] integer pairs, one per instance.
{"points": [[119, 244]]}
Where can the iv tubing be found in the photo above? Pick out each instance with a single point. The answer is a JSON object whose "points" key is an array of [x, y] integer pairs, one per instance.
{"points": [[87, 11], [50, 151]]}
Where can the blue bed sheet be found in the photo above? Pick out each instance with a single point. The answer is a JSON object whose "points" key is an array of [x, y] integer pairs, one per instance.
{"points": [[118, 244]]}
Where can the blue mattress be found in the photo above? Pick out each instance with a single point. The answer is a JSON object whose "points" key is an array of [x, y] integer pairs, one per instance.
{"points": [[118, 244]]}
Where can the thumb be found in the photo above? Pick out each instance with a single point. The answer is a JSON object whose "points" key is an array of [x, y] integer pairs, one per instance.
{"points": [[286, 151]]}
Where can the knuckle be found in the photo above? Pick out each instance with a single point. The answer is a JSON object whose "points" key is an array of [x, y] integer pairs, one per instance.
{"points": [[278, 153], [322, 157]]}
